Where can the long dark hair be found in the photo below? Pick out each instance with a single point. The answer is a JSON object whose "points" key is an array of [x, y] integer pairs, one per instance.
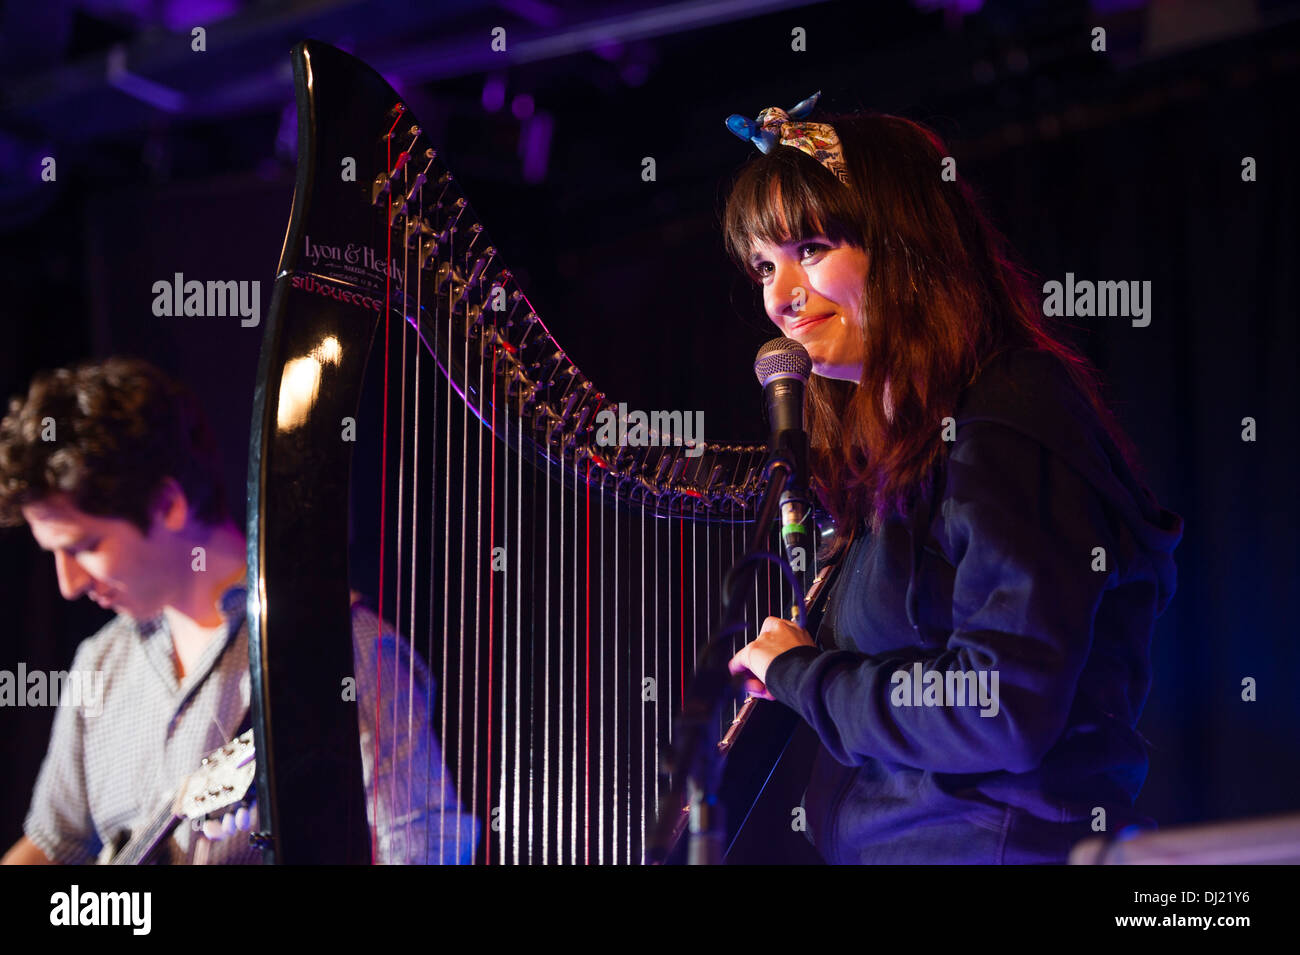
{"points": [[944, 293]]}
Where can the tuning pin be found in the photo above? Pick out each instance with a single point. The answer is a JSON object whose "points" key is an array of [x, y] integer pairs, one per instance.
{"points": [[679, 467]]}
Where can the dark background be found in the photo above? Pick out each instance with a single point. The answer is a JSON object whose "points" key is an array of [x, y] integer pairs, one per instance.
{"points": [[1122, 165]]}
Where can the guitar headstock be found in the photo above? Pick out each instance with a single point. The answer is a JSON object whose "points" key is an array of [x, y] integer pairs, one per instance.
{"points": [[222, 781]]}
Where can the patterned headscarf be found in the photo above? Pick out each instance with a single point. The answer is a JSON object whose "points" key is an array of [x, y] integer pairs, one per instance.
{"points": [[776, 126]]}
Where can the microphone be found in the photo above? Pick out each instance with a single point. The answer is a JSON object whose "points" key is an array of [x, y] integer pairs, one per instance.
{"points": [[782, 368]]}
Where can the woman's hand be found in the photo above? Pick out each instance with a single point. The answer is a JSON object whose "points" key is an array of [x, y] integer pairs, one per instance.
{"points": [[774, 638]]}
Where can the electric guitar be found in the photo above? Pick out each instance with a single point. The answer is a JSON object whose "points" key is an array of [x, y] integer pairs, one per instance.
{"points": [[222, 781]]}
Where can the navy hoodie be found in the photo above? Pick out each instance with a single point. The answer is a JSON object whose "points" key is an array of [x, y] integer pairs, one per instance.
{"points": [[984, 661]]}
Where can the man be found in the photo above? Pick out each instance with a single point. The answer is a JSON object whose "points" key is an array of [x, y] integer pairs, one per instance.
{"points": [[113, 467]]}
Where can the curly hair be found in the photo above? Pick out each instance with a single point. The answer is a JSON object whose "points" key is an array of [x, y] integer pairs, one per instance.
{"points": [[107, 433], [944, 293]]}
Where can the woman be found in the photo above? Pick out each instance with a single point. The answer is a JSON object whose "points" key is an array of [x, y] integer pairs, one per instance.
{"points": [[984, 655]]}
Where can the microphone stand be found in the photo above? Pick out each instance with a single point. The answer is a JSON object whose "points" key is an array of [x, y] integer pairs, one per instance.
{"points": [[693, 759]]}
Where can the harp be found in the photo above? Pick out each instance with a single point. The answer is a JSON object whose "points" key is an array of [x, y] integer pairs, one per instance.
{"points": [[419, 432]]}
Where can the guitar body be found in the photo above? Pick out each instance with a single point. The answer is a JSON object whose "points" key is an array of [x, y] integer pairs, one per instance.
{"points": [[114, 848]]}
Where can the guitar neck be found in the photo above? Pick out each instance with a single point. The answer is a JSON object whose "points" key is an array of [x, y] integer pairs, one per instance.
{"points": [[142, 847]]}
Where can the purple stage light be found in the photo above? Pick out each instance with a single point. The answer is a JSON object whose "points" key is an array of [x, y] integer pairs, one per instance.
{"points": [[494, 92], [522, 106]]}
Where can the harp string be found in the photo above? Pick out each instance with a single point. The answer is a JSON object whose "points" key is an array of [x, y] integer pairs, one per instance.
{"points": [[617, 787], [464, 529], [708, 582], [604, 690], [478, 606], [588, 823], [694, 578], [660, 687], [546, 721], [492, 577], [429, 655], [416, 483], [732, 563], [562, 692], [581, 618], [753, 620], [575, 631], [645, 743], [519, 647], [444, 686], [673, 622], [383, 479], [401, 524], [505, 619], [681, 595], [614, 788]]}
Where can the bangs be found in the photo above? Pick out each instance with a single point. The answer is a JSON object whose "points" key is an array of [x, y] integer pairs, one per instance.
{"points": [[778, 198]]}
